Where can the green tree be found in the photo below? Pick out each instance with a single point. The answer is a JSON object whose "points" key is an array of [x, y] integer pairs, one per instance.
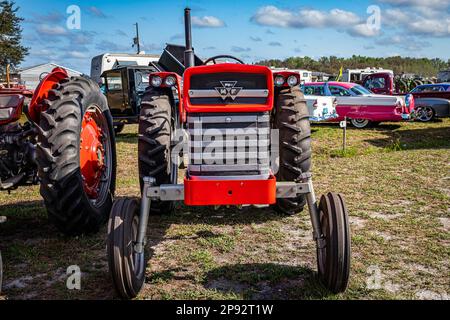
{"points": [[420, 66], [11, 50]]}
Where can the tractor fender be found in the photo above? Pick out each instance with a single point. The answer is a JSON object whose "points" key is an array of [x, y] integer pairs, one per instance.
{"points": [[41, 93]]}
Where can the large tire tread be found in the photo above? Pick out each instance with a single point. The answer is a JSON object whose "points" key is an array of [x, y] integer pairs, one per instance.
{"points": [[58, 157], [292, 120], [155, 130]]}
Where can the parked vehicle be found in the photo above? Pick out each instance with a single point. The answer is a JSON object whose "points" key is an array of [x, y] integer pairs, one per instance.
{"points": [[431, 100], [108, 61], [360, 106], [443, 76], [358, 75], [227, 99], [321, 108], [123, 88], [67, 146]]}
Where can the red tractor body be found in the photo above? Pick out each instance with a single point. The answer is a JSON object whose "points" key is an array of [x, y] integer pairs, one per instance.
{"points": [[246, 133]]}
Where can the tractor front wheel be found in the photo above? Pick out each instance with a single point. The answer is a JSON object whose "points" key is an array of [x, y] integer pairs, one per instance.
{"points": [[76, 156], [292, 121], [333, 253], [126, 266], [155, 134]]}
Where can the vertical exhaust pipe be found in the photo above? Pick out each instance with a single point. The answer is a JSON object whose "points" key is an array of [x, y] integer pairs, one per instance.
{"points": [[189, 60]]}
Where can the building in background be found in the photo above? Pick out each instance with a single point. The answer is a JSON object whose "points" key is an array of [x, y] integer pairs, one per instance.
{"points": [[31, 76]]}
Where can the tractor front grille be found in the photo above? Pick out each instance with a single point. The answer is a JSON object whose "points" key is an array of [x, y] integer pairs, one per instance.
{"points": [[212, 89], [229, 146]]}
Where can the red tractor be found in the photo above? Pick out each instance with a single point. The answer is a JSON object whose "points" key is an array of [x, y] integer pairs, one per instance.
{"points": [[246, 110], [66, 145]]}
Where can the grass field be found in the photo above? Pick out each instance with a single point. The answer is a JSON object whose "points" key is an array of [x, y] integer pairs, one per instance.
{"points": [[396, 180]]}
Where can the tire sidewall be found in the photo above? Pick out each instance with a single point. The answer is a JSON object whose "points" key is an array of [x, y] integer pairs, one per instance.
{"points": [[365, 123]]}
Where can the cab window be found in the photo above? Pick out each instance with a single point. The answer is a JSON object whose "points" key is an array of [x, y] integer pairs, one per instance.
{"points": [[114, 82], [375, 83]]}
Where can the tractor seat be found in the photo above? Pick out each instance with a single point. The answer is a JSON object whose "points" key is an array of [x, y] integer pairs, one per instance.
{"points": [[11, 107]]}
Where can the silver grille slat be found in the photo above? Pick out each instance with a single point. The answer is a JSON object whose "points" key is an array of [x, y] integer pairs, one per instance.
{"points": [[248, 93], [229, 146]]}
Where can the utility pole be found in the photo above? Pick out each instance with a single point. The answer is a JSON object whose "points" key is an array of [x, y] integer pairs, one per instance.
{"points": [[137, 41], [8, 70]]}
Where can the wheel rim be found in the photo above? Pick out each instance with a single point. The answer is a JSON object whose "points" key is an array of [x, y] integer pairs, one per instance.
{"points": [[360, 123], [95, 155], [425, 114]]}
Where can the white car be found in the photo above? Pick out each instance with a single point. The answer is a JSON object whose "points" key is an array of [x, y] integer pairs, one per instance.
{"points": [[321, 108]]}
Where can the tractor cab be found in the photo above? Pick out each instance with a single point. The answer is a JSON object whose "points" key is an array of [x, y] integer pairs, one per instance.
{"points": [[123, 88]]}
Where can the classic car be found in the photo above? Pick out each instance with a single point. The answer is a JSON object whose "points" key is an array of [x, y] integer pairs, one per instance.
{"points": [[431, 100], [321, 108], [360, 106]]}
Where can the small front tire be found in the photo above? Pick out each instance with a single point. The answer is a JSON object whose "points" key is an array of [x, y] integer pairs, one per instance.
{"points": [[126, 266], [333, 255]]}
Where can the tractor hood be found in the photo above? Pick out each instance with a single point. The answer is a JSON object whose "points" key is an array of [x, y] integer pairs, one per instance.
{"points": [[228, 88]]}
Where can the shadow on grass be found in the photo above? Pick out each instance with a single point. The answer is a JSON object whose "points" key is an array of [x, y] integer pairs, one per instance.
{"points": [[223, 216], [428, 138], [24, 219], [267, 281]]}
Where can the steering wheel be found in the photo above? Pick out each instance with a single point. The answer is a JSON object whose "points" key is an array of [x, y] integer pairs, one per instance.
{"points": [[223, 56]]}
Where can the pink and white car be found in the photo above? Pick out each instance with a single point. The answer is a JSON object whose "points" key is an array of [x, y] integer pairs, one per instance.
{"points": [[362, 107]]}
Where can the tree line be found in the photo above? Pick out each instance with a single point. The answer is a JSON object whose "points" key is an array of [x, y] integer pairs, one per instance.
{"points": [[331, 65]]}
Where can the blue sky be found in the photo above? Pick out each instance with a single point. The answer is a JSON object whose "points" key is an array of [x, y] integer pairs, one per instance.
{"points": [[250, 29]]}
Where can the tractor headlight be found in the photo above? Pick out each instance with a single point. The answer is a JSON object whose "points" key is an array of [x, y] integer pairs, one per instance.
{"points": [[156, 81], [170, 81], [292, 81], [279, 81]]}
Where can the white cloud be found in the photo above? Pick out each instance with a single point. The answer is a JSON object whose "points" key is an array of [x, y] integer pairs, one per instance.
{"points": [[207, 22], [420, 21], [363, 30], [45, 29], [77, 55], [305, 18], [438, 4]]}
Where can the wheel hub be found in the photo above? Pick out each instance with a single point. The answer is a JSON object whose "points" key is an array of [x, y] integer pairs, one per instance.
{"points": [[92, 155]]}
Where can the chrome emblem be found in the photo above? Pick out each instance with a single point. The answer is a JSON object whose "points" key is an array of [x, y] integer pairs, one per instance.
{"points": [[228, 90]]}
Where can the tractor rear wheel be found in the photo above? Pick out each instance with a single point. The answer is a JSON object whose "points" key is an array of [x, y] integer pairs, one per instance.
{"points": [[292, 121], [333, 257], [76, 156], [126, 266], [155, 133]]}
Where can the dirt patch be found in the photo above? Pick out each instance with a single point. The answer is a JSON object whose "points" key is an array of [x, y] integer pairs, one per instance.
{"points": [[385, 216], [357, 222], [445, 223]]}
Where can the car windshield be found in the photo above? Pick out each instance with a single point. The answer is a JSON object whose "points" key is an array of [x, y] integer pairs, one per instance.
{"points": [[359, 90], [429, 89]]}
